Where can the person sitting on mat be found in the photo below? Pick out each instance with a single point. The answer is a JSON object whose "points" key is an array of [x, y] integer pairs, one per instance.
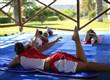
{"points": [[58, 62], [91, 37], [40, 38]]}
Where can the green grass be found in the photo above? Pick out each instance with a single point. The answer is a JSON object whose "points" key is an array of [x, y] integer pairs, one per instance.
{"points": [[67, 24]]}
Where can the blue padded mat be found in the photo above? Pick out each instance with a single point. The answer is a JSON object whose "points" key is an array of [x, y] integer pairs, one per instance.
{"points": [[93, 53]]}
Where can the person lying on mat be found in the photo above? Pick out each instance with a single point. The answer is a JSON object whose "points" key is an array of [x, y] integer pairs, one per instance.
{"points": [[44, 35], [59, 62], [40, 38], [91, 37]]}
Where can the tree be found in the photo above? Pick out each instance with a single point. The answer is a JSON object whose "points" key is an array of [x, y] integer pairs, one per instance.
{"points": [[44, 15], [87, 6], [41, 17], [25, 4], [99, 9]]}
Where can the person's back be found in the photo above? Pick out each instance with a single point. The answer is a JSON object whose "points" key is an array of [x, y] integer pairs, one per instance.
{"points": [[32, 59]]}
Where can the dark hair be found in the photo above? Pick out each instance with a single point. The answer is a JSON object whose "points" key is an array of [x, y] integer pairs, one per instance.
{"points": [[92, 31], [19, 48], [40, 32]]}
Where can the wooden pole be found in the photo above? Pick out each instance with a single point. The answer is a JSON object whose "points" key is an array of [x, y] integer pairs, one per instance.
{"points": [[20, 15], [78, 14]]}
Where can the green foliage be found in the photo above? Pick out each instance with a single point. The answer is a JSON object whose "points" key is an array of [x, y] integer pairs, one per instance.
{"points": [[105, 6], [92, 14], [32, 11], [88, 5], [1, 14], [52, 18], [84, 13], [4, 19], [69, 12], [61, 17], [50, 12], [41, 17]]}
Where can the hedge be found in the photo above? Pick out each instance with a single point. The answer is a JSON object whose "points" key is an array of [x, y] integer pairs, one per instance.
{"points": [[5, 20], [52, 18]]}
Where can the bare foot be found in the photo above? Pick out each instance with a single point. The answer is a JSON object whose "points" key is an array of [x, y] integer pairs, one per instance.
{"points": [[75, 36]]}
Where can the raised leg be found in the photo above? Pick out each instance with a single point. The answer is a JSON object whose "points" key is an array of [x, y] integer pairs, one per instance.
{"points": [[79, 50]]}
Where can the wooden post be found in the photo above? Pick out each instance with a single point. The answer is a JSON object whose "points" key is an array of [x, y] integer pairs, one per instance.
{"points": [[20, 15], [78, 14]]}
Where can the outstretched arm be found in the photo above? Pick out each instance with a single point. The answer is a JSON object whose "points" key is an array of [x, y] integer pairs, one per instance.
{"points": [[48, 45]]}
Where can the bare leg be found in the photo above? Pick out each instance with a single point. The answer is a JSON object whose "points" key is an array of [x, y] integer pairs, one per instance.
{"points": [[92, 66], [79, 50]]}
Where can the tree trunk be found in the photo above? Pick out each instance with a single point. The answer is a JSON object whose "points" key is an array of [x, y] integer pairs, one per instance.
{"points": [[99, 10], [16, 15]]}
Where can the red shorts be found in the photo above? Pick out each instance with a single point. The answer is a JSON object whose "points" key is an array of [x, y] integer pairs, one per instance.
{"points": [[62, 60]]}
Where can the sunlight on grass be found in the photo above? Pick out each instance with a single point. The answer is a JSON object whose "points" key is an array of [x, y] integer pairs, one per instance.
{"points": [[67, 24]]}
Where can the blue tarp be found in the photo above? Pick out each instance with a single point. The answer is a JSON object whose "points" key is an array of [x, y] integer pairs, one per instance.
{"points": [[98, 53]]}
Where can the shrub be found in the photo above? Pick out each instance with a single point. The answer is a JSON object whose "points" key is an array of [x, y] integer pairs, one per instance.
{"points": [[4, 19], [35, 19], [53, 18], [61, 17]]}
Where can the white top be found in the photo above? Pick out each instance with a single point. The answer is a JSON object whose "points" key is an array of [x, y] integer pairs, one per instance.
{"points": [[32, 63], [37, 40]]}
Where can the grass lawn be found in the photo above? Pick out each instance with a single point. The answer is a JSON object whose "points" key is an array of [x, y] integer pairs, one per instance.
{"points": [[67, 24]]}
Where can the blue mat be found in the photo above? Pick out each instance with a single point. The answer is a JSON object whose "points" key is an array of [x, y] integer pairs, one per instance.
{"points": [[93, 53]]}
